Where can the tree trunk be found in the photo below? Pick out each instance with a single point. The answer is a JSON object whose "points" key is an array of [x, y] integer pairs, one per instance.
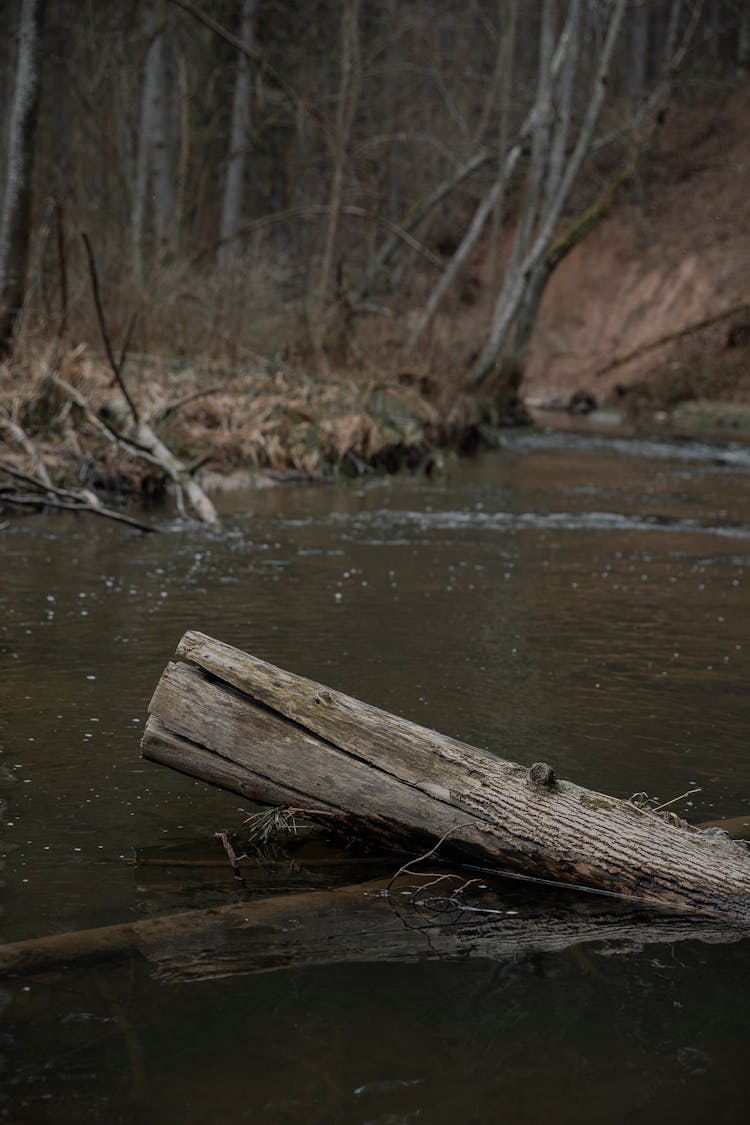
{"points": [[15, 220], [140, 185], [161, 141], [508, 55], [639, 48], [536, 124], [231, 209], [743, 37], [512, 294], [273, 737], [345, 110]]}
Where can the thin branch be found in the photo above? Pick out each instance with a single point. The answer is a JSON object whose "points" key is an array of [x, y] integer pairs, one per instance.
{"points": [[62, 267], [670, 337], [126, 342], [116, 368], [172, 407], [130, 445], [416, 215], [22, 438], [225, 838], [398, 233], [38, 482], [674, 800], [405, 868], [79, 503], [250, 52]]}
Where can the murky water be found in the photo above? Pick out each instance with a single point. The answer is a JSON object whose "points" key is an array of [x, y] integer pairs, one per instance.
{"points": [[585, 602]]}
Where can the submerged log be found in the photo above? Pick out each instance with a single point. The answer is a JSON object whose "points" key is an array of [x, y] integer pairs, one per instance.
{"points": [[228, 718], [375, 921]]}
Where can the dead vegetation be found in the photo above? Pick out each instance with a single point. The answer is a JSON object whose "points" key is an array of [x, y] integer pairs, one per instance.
{"points": [[285, 423]]}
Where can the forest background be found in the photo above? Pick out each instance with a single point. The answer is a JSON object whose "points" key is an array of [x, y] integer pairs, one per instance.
{"points": [[320, 236]]}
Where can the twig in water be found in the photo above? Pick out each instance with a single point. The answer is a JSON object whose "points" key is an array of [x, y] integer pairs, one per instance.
{"points": [[405, 868], [226, 841]]}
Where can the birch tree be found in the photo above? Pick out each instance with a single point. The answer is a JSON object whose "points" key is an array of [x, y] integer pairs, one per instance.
{"points": [[534, 131], [522, 279], [15, 219], [231, 209], [492, 200]]}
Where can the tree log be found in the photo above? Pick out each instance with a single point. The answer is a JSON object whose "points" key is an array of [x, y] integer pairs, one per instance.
{"points": [[374, 921], [228, 718]]}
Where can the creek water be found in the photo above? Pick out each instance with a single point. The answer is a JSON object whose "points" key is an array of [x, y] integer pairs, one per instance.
{"points": [[585, 602]]}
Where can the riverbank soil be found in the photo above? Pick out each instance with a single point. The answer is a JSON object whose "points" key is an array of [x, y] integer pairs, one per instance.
{"points": [[653, 309]]}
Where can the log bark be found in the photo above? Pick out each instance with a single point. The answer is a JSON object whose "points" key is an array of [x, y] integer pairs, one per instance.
{"points": [[375, 921], [228, 718]]}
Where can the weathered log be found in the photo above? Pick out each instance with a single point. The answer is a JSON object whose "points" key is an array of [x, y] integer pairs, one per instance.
{"points": [[374, 921], [276, 738]]}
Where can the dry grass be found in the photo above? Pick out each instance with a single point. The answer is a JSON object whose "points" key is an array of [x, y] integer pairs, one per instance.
{"points": [[264, 415]]}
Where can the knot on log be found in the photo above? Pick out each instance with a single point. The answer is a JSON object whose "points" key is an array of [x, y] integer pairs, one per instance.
{"points": [[542, 775]]}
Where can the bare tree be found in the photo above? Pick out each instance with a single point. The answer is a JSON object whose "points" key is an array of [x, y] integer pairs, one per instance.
{"points": [[639, 44], [537, 127], [525, 270], [743, 36], [140, 187], [231, 209], [161, 147], [491, 201], [153, 167], [15, 220], [424, 123], [345, 109]]}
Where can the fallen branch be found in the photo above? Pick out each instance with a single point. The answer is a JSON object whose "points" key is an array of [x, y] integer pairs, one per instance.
{"points": [[63, 499], [20, 436], [144, 442], [670, 337], [28, 501]]}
